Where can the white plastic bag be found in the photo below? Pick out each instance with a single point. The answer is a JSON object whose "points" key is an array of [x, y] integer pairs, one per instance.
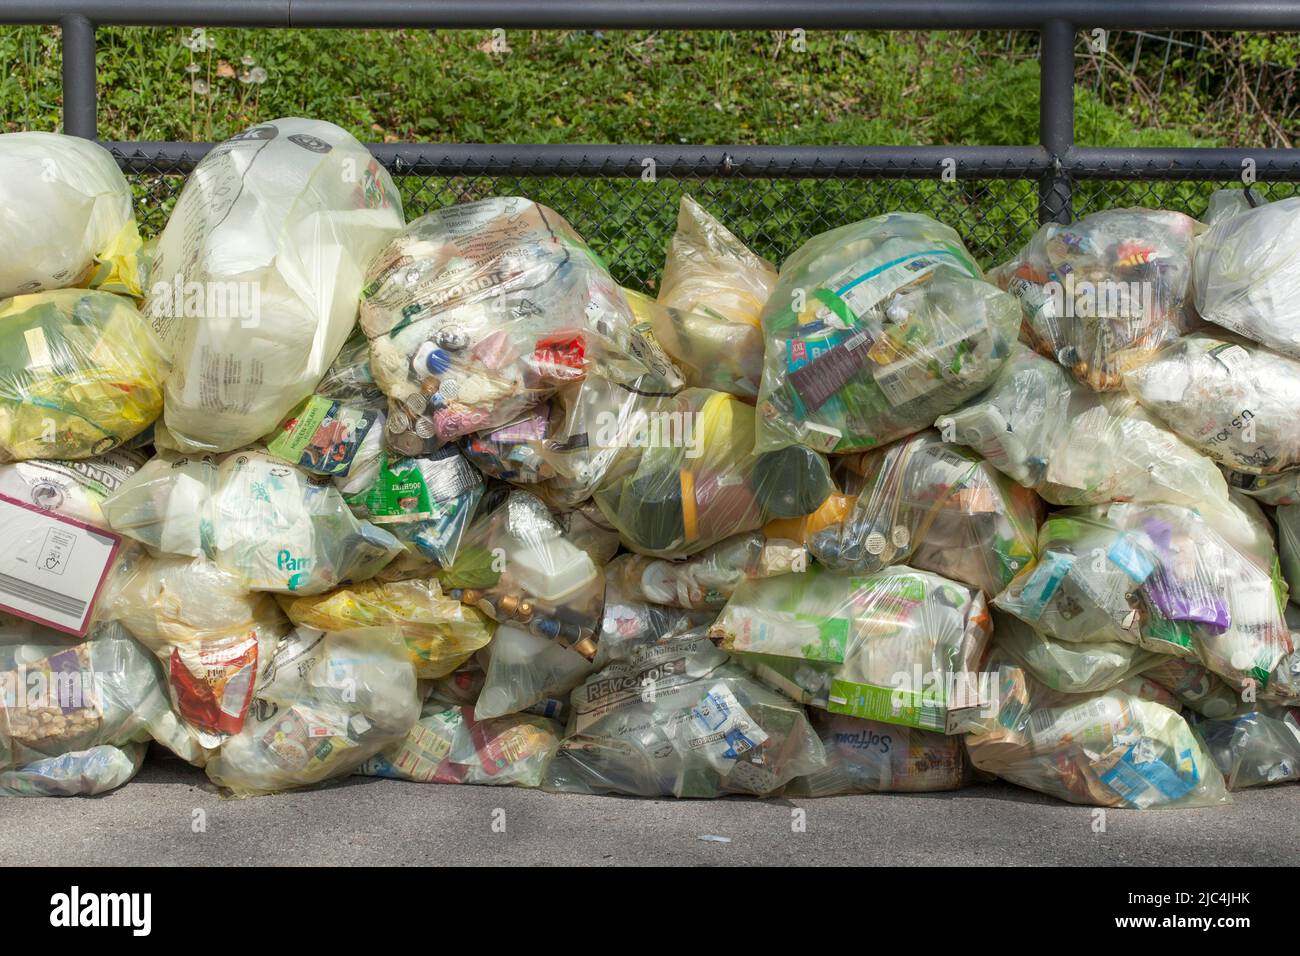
{"points": [[65, 216], [256, 277], [1246, 273]]}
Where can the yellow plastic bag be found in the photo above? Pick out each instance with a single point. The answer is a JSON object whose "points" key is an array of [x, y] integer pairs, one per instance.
{"points": [[440, 632], [80, 373]]}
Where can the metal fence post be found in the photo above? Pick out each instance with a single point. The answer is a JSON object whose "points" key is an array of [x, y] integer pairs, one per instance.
{"points": [[1055, 117], [78, 76]]}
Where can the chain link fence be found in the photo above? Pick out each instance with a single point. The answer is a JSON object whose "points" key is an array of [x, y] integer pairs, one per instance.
{"points": [[628, 220]]}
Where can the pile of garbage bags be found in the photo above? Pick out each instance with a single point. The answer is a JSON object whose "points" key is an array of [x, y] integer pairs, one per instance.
{"points": [[442, 502]]}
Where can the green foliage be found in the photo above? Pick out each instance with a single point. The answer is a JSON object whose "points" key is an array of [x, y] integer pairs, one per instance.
{"points": [[664, 87]]}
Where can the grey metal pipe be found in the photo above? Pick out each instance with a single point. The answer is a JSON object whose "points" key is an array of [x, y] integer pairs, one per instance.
{"points": [[78, 76], [594, 160], [1056, 117], [1258, 15]]}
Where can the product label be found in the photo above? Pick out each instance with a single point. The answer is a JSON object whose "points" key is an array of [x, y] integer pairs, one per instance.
{"points": [[722, 730], [890, 705], [322, 436]]}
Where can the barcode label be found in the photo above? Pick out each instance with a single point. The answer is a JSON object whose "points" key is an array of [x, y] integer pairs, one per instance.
{"points": [[34, 593]]}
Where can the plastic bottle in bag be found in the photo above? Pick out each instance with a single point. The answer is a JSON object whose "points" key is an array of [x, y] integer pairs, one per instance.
{"points": [[686, 475], [873, 330], [1258, 748], [517, 566], [256, 276], [673, 717], [1102, 293], [707, 579], [1233, 400], [1246, 272], [1107, 749], [479, 311], [325, 704], [65, 217], [1076, 447], [1195, 687], [81, 372], [935, 506]]}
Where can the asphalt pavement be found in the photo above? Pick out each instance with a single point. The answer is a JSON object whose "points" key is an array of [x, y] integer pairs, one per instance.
{"points": [[171, 815]]}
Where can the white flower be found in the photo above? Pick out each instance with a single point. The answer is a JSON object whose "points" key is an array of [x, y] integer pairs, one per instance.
{"points": [[200, 87]]}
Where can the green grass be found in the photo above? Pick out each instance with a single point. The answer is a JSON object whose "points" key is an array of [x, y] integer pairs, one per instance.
{"points": [[636, 87]]}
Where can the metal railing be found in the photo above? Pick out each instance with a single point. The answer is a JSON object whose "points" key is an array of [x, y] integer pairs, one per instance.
{"points": [[779, 194]]}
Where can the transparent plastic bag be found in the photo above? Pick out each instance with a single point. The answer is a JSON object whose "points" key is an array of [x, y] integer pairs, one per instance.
{"points": [[326, 432], [867, 756], [512, 452], [875, 329], [517, 566], [60, 697], [710, 272], [212, 637], [672, 717], [478, 311], [80, 373], [706, 580], [1279, 489], [709, 351], [65, 217], [76, 489], [630, 618], [1246, 273], [1288, 547], [1253, 749], [1101, 294], [1195, 687], [585, 433], [1231, 399], [1107, 749], [427, 502], [525, 669], [440, 632], [450, 745], [686, 475], [256, 276], [259, 518], [84, 773], [1159, 576], [934, 506], [1072, 668], [901, 646], [1075, 447], [326, 703]]}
